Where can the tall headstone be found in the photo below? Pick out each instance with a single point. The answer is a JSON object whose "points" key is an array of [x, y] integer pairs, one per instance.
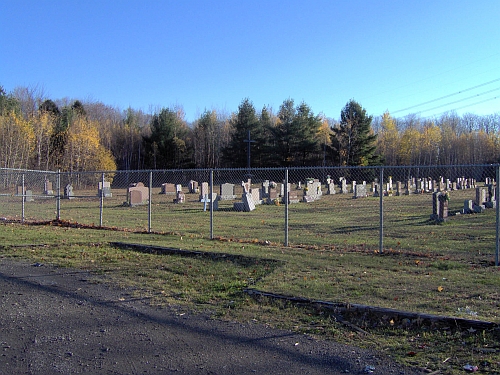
{"points": [[481, 195], [265, 189], [204, 191], [68, 192], [398, 188], [180, 197], [47, 188], [193, 187], [256, 195], [343, 188], [439, 206], [331, 188]]}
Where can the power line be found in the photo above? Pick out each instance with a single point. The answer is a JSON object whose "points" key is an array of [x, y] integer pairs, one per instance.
{"points": [[446, 96], [465, 106], [460, 100]]}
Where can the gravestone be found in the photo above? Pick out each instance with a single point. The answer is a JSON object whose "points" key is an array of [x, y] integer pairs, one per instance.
{"points": [[256, 196], [388, 189], [137, 194], [28, 196], [470, 207], [206, 201], [331, 188], [180, 197], [273, 193], [168, 189], [353, 187], [47, 188], [204, 191], [282, 189], [491, 197], [360, 191], [312, 191], [248, 203], [293, 197], [398, 188], [481, 195], [104, 190], [439, 206], [343, 188], [135, 198], [68, 192], [227, 192], [408, 187], [193, 187], [20, 190], [246, 185], [265, 189]]}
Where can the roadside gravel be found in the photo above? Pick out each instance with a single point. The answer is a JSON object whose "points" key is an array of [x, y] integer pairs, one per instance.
{"points": [[64, 321]]}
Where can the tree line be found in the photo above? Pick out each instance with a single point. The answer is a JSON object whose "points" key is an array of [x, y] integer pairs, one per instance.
{"points": [[73, 135]]}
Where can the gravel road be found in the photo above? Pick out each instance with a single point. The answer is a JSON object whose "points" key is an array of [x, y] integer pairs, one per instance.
{"points": [[62, 321]]}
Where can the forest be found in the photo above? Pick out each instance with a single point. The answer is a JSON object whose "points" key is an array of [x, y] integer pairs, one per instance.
{"points": [[40, 133]]}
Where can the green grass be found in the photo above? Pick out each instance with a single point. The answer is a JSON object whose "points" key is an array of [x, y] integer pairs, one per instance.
{"points": [[444, 269]]}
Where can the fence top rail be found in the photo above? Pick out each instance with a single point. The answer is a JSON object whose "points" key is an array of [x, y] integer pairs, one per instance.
{"points": [[207, 170]]}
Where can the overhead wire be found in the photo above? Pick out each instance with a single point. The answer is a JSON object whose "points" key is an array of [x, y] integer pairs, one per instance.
{"points": [[465, 106], [460, 100], [447, 96]]}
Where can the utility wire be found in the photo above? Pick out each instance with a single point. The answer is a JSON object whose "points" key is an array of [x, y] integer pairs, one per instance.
{"points": [[465, 106], [446, 96], [460, 100]]}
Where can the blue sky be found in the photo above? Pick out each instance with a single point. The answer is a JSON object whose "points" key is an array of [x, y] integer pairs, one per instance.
{"points": [[387, 55]]}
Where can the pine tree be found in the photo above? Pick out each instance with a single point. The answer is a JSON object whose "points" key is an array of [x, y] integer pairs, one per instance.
{"points": [[353, 141]]}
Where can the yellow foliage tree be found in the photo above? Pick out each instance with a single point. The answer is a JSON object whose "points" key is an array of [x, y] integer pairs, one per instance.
{"points": [[16, 140], [84, 151], [43, 124], [409, 146], [389, 139]]}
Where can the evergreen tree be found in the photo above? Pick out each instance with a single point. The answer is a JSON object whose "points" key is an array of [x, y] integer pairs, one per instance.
{"points": [[307, 126], [243, 124], [165, 147], [295, 135], [353, 141]]}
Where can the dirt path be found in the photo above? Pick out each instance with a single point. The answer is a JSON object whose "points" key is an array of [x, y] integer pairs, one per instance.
{"points": [[60, 321]]}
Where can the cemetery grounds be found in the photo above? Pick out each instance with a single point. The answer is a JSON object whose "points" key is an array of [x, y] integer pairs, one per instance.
{"points": [[445, 269]]}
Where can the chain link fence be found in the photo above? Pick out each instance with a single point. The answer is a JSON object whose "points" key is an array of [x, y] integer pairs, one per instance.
{"points": [[411, 208]]}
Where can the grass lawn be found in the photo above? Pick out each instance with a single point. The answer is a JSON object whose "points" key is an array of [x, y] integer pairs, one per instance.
{"points": [[446, 269]]}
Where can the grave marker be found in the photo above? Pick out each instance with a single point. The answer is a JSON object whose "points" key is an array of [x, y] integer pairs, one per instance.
{"points": [[68, 192]]}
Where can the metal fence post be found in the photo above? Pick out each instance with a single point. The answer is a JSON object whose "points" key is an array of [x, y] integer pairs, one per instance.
{"points": [[211, 204], [58, 198], [286, 206], [381, 211], [497, 193], [149, 199], [101, 206], [23, 197]]}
